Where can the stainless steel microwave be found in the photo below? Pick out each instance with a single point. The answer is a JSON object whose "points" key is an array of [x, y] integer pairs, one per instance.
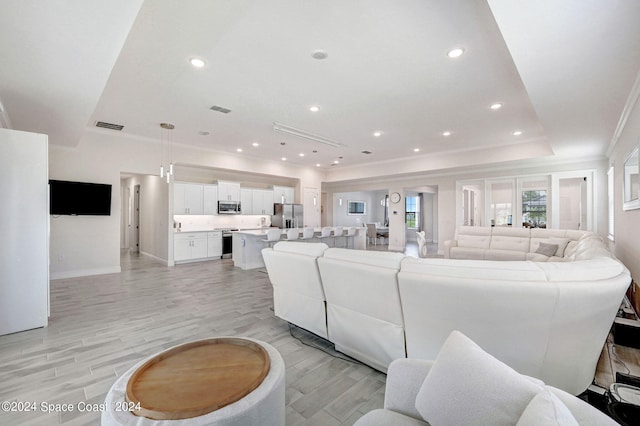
{"points": [[229, 207]]}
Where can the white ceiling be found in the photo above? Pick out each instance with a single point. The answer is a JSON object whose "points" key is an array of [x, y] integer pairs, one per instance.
{"points": [[562, 69]]}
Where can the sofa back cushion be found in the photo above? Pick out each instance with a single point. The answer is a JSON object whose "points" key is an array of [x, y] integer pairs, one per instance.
{"points": [[513, 239], [473, 236]]}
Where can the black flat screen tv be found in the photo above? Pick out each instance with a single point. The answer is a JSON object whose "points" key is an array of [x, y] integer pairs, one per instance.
{"points": [[79, 198]]}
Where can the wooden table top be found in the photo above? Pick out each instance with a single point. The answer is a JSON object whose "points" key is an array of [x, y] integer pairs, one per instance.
{"points": [[197, 378]]}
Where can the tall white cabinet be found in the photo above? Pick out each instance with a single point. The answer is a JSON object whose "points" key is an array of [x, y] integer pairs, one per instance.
{"points": [[24, 252]]}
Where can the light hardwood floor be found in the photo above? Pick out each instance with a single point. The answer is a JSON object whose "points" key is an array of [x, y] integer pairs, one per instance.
{"points": [[100, 326]]}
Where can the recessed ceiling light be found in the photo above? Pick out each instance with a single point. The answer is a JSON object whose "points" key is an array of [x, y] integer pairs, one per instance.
{"points": [[203, 133], [446, 133], [314, 108], [318, 165], [335, 162], [284, 158], [416, 149], [239, 149], [517, 133], [377, 133], [197, 62], [255, 144], [301, 154], [496, 106], [319, 54], [455, 53]]}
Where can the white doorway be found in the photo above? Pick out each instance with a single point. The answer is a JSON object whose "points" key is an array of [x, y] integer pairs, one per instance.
{"points": [[135, 232]]}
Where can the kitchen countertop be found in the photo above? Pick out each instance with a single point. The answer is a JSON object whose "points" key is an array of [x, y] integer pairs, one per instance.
{"points": [[222, 229]]}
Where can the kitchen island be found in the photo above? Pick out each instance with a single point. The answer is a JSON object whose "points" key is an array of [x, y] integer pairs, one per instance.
{"points": [[248, 245]]}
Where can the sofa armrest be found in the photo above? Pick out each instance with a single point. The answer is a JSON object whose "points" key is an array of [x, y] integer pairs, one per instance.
{"points": [[404, 379], [447, 247]]}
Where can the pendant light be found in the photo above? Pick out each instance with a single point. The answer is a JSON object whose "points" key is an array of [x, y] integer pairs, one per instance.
{"points": [[168, 127]]}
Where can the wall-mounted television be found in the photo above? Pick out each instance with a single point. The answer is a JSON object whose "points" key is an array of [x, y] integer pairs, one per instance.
{"points": [[79, 198]]}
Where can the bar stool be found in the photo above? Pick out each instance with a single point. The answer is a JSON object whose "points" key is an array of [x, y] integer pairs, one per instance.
{"points": [[351, 234], [293, 234], [337, 233], [273, 236], [307, 234], [325, 233]]}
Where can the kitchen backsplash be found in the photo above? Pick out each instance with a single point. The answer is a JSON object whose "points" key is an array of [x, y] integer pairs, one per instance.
{"points": [[207, 222]]}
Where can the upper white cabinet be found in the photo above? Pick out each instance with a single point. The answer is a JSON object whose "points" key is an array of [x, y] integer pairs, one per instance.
{"points": [[187, 198], [210, 199], [283, 194], [228, 191], [246, 200], [262, 201]]}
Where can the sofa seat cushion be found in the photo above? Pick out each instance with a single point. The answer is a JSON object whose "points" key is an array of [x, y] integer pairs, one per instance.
{"points": [[472, 269], [499, 254], [468, 253], [467, 386]]}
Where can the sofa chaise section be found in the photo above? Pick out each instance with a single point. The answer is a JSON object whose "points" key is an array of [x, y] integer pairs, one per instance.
{"points": [[364, 315], [298, 294]]}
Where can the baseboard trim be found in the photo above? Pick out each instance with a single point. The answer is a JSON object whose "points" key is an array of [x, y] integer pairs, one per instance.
{"points": [[165, 262], [84, 272]]}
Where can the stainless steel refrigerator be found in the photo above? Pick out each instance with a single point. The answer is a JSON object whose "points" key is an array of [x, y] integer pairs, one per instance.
{"points": [[287, 216]]}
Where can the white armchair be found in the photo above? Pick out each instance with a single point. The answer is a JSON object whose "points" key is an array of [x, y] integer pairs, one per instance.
{"points": [[443, 392]]}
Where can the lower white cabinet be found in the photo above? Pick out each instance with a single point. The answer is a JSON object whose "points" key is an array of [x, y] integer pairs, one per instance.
{"points": [[190, 246], [214, 244]]}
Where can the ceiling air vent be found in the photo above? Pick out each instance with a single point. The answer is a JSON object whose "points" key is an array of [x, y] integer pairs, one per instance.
{"points": [[111, 126], [220, 109], [366, 152]]}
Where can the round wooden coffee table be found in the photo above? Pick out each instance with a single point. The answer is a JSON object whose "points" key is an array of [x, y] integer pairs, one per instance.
{"points": [[202, 382]]}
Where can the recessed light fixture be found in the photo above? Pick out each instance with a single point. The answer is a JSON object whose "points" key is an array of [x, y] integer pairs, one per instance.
{"points": [[377, 133], [446, 133], [314, 108], [416, 149], [335, 162], [455, 53], [301, 154], [255, 144], [284, 158], [197, 62], [496, 106], [239, 149], [317, 164], [517, 133], [203, 133], [319, 54]]}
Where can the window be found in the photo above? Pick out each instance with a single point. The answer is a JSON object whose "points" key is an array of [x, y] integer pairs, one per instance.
{"points": [[412, 212], [502, 196], [534, 208]]}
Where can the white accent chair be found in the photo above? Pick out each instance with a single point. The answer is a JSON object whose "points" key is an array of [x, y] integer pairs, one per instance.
{"points": [[293, 234], [422, 243], [466, 386], [273, 236], [298, 296], [325, 234]]}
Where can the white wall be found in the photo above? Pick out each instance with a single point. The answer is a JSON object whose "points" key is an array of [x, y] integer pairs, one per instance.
{"points": [[374, 211], [627, 223], [87, 245]]}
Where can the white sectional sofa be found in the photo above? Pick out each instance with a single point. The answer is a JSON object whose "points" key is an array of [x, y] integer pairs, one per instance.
{"points": [[544, 319], [506, 243]]}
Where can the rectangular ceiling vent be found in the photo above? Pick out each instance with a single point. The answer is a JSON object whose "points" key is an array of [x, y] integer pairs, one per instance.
{"points": [[366, 152], [220, 109], [111, 126]]}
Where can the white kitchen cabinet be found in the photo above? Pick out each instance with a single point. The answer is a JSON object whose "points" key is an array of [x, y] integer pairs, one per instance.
{"points": [[228, 191], [214, 244], [189, 246], [246, 200], [262, 201], [283, 194], [187, 198], [210, 199]]}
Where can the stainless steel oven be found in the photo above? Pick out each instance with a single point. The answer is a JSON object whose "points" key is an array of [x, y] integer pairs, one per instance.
{"points": [[227, 243]]}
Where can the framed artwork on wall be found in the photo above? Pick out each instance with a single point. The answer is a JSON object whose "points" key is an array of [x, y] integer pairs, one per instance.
{"points": [[631, 181]]}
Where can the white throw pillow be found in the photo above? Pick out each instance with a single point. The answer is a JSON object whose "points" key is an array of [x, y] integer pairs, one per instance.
{"points": [[546, 409], [467, 386], [562, 244]]}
